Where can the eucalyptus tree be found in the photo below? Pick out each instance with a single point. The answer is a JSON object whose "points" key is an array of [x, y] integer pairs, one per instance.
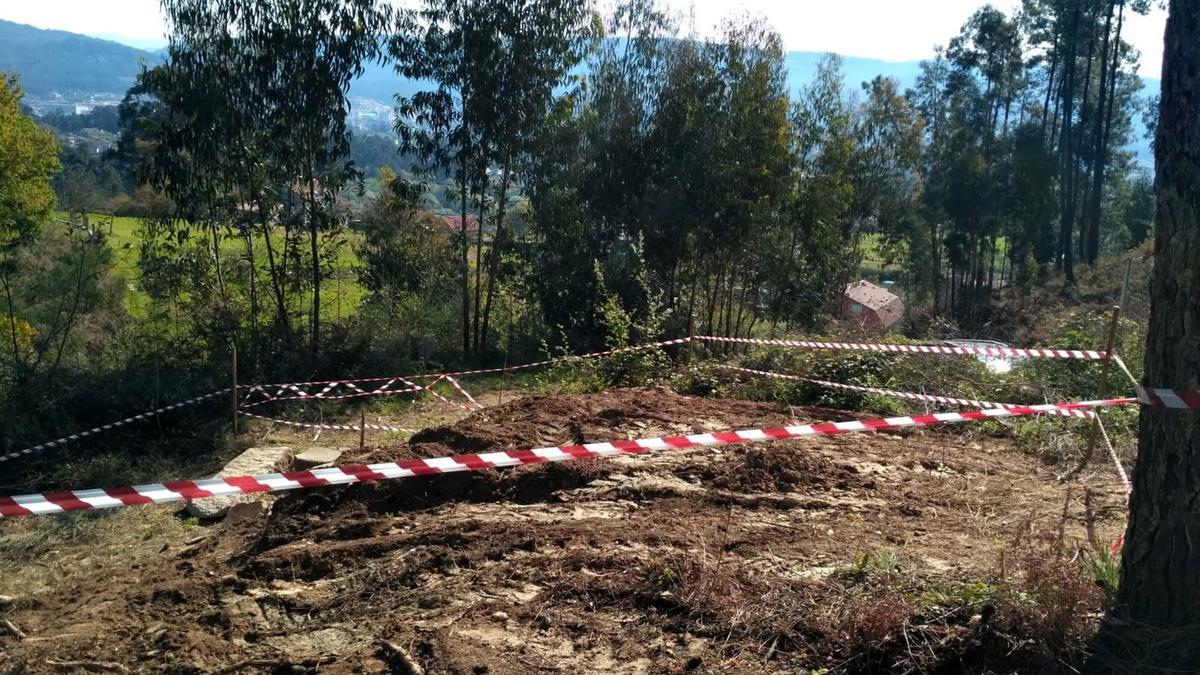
{"points": [[821, 247], [494, 67], [535, 44], [253, 99], [440, 44], [592, 187]]}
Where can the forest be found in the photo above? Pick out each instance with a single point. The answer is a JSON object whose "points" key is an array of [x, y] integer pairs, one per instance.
{"points": [[567, 181], [640, 243]]}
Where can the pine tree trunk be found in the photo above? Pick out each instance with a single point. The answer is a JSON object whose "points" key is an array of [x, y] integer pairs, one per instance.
{"points": [[1102, 142], [1067, 184], [1160, 582]]}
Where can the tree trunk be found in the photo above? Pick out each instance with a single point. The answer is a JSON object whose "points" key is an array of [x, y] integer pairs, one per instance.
{"points": [[466, 265], [1159, 581], [316, 260], [1102, 142], [1067, 184], [495, 253], [1084, 110], [479, 269]]}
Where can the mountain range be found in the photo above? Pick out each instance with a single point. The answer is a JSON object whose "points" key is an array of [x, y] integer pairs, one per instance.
{"points": [[69, 64], [74, 66]]}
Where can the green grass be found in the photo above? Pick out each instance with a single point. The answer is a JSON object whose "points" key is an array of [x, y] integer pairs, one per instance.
{"points": [[873, 263], [341, 293]]}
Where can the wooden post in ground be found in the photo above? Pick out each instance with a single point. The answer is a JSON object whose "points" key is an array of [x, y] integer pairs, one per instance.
{"points": [[234, 392], [1105, 365], [504, 370], [691, 338], [362, 431]]}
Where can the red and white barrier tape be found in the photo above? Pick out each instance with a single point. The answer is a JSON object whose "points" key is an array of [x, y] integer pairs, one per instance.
{"points": [[331, 427], [327, 393], [503, 369], [112, 425], [948, 400], [77, 500], [458, 387], [809, 344], [1176, 399], [1044, 353]]}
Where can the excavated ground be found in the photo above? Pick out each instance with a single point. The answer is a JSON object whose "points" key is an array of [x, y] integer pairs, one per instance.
{"points": [[732, 559]]}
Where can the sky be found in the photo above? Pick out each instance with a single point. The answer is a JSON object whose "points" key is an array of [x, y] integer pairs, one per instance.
{"points": [[891, 30]]}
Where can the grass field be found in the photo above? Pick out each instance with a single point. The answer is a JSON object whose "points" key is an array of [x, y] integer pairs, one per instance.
{"points": [[341, 293]]}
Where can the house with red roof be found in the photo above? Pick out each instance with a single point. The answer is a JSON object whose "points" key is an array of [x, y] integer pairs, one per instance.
{"points": [[868, 305]]}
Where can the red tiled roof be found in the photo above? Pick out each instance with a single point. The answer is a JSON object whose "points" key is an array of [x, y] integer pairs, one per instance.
{"points": [[454, 223], [868, 294]]}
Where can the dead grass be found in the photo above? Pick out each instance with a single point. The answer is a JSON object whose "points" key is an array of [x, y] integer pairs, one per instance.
{"points": [[41, 555]]}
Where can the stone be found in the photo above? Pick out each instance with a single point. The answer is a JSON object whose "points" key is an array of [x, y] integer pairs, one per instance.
{"points": [[313, 457], [252, 462]]}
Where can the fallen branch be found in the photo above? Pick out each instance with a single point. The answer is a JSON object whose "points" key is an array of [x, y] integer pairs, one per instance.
{"points": [[11, 628], [90, 666], [400, 658]]}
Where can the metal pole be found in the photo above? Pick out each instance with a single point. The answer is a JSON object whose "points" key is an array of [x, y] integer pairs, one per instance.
{"points": [[1105, 365]]}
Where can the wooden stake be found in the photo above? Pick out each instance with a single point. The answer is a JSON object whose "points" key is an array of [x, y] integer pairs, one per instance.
{"points": [[504, 370], [234, 396], [691, 337], [1102, 386], [362, 432]]}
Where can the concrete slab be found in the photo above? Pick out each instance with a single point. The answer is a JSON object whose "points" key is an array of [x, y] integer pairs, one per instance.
{"points": [[252, 462], [312, 457]]}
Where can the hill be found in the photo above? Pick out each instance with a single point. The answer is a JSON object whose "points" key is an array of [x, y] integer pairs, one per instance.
{"points": [[55, 61], [52, 61]]}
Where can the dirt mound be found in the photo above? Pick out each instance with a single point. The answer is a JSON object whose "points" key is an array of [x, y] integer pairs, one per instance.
{"points": [[724, 558]]}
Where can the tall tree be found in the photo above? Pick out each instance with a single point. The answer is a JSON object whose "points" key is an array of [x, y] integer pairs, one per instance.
{"points": [[535, 44], [1159, 585], [28, 159], [256, 102], [443, 43]]}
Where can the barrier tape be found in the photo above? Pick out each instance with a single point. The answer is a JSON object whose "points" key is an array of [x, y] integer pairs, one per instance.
{"points": [[1037, 353], [112, 425], [1175, 399], [332, 427], [78, 500], [1124, 368], [1112, 453], [948, 400], [502, 369], [1168, 396], [324, 394], [458, 387]]}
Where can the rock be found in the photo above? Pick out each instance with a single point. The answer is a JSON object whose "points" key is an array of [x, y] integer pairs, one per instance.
{"points": [[250, 463], [500, 616], [318, 456], [6, 600]]}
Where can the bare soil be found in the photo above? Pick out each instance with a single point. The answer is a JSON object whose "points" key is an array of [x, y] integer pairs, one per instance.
{"points": [[853, 553]]}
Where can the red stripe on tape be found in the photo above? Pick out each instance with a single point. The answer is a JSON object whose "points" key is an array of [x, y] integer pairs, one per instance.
{"points": [[188, 490], [248, 484], [9, 508], [67, 501], [128, 496]]}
